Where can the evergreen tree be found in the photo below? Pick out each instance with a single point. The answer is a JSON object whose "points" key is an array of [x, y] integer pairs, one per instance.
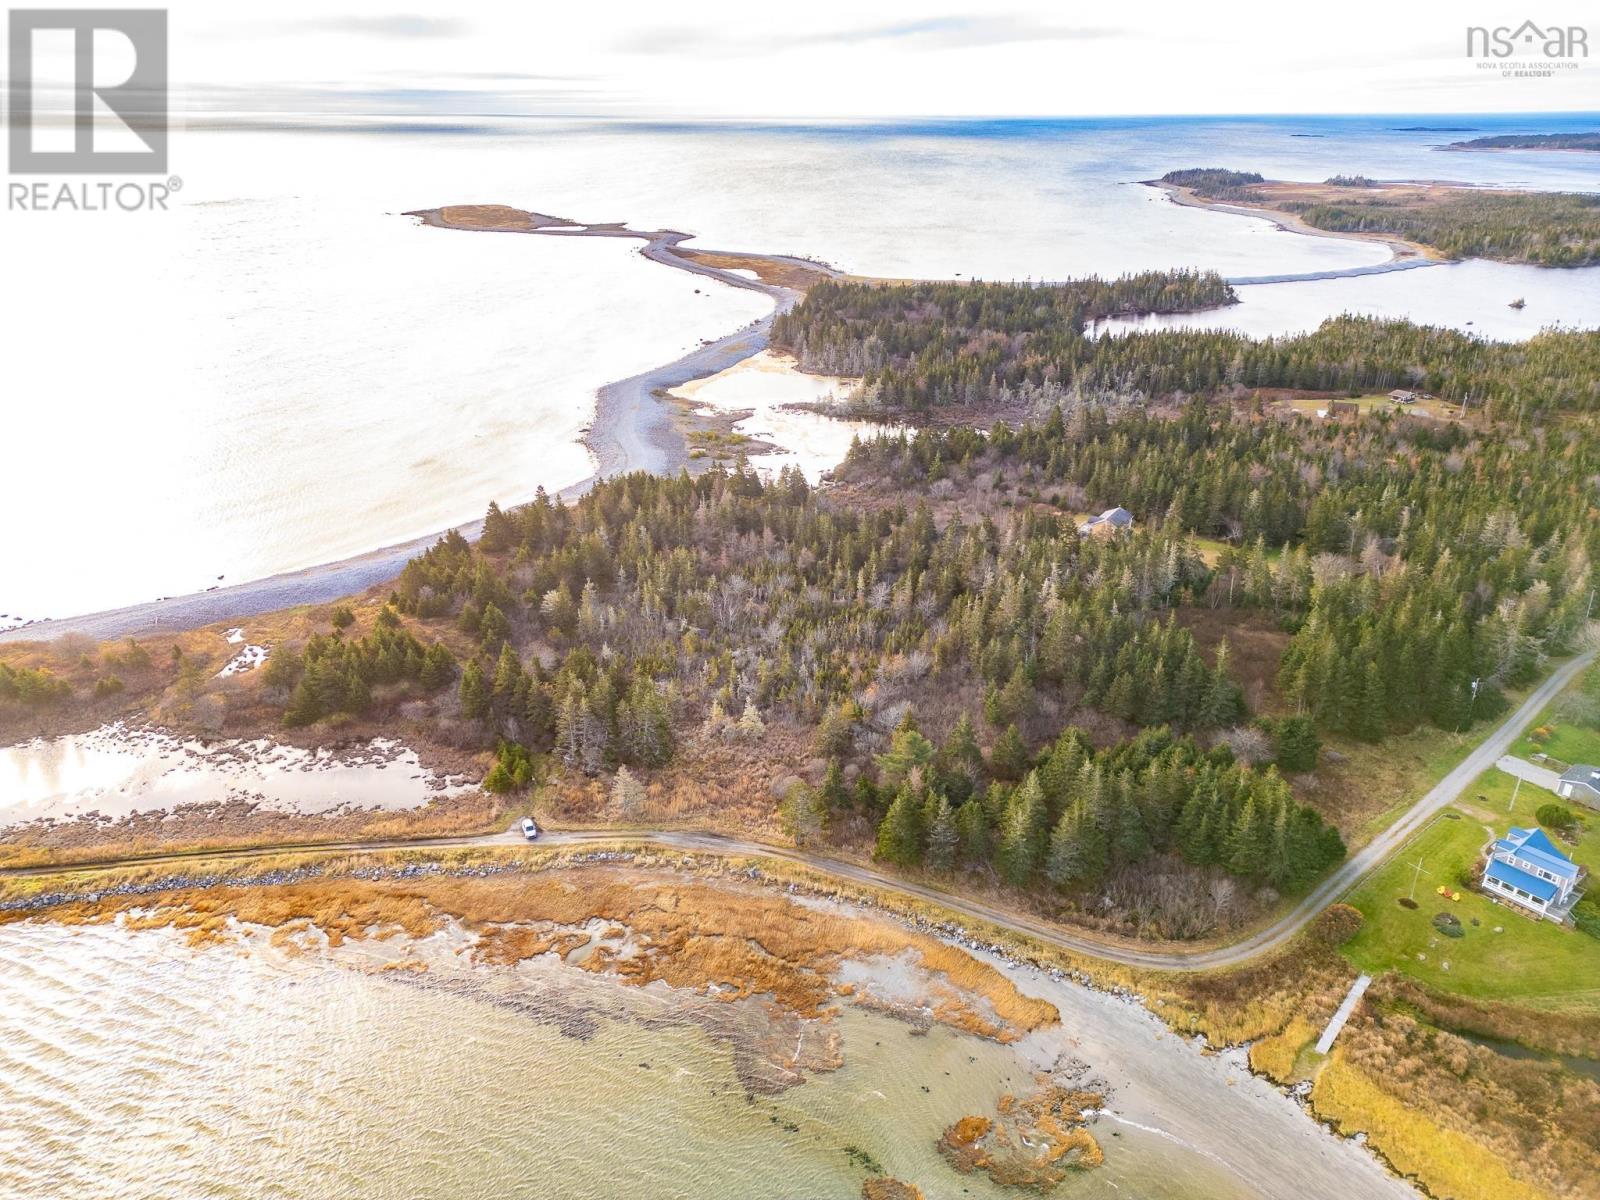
{"points": [[1023, 841], [972, 829], [900, 833], [1297, 744], [474, 693], [908, 751], [1067, 863], [943, 837], [627, 796], [1009, 758]]}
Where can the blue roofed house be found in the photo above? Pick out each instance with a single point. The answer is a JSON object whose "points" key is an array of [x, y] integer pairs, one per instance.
{"points": [[1529, 870]]}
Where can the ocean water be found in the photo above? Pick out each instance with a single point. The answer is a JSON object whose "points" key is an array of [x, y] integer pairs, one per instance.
{"points": [[284, 371], [134, 1066], [1474, 296]]}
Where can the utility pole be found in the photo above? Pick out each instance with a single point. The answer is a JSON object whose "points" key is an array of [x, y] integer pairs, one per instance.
{"points": [[1472, 705], [1517, 787]]}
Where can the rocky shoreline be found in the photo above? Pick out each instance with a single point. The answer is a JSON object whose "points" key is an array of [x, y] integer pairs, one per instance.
{"points": [[1142, 1100]]}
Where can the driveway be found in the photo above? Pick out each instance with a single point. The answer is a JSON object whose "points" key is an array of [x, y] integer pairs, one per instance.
{"points": [[1529, 772]]}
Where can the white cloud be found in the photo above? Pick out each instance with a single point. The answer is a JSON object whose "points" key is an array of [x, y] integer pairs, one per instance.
{"points": [[827, 58]]}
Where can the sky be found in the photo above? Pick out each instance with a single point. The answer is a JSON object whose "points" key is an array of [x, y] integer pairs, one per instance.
{"points": [[847, 58]]}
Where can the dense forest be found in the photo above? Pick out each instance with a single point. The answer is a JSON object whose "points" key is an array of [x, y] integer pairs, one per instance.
{"points": [[957, 677], [1408, 559], [1002, 348], [1001, 692], [1215, 183], [609, 629], [858, 328], [1551, 229]]}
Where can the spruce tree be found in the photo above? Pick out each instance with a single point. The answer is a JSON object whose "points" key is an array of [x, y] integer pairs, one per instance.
{"points": [[474, 693], [900, 832], [1009, 758], [1022, 842], [943, 837]]}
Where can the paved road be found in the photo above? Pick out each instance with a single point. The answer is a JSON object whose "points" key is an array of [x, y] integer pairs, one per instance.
{"points": [[1482, 757]]}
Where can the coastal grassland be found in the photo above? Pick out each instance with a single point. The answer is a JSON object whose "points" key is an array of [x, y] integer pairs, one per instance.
{"points": [[1408, 1070], [241, 825], [1450, 1163], [1531, 963], [81, 683], [170, 681], [1283, 1056], [1412, 1069], [1552, 229], [170, 678], [776, 272]]}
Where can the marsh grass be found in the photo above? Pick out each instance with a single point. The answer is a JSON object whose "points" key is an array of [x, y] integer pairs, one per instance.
{"points": [[1450, 1163]]}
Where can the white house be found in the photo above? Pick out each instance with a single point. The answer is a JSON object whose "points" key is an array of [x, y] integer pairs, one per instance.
{"points": [[1113, 520], [1581, 783], [1529, 870]]}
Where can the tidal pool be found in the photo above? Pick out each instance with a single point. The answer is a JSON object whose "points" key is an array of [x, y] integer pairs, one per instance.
{"points": [[767, 386], [117, 771]]}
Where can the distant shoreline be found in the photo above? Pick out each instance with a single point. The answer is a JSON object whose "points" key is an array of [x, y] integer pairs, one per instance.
{"points": [[631, 431], [1404, 255]]}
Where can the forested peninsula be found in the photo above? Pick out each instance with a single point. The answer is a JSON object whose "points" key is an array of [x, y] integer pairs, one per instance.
{"points": [[1548, 229]]}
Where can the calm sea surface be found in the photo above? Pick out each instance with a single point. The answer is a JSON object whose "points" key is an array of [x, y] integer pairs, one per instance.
{"points": [[285, 371]]}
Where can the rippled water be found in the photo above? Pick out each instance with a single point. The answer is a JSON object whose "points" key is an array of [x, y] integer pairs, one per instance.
{"points": [[135, 1067]]}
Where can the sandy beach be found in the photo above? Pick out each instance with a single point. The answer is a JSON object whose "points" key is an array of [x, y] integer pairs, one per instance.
{"points": [[1405, 256], [631, 431]]}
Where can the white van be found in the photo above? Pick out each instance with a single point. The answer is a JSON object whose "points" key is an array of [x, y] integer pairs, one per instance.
{"points": [[530, 829]]}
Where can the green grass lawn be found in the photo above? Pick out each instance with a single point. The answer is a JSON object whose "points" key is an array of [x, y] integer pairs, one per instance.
{"points": [[1534, 963], [1211, 549], [1569, 742]]}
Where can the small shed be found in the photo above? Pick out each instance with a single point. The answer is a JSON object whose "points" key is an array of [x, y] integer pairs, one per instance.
{"points": [[1401, 396], [1581, 782]]}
